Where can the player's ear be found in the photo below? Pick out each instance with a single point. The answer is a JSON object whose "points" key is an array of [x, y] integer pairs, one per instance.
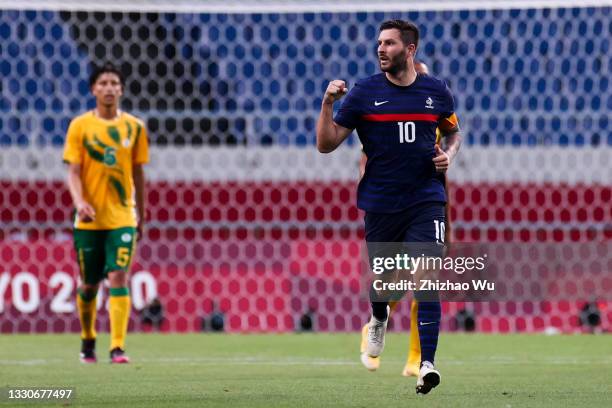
{"points": [[412, 50]]}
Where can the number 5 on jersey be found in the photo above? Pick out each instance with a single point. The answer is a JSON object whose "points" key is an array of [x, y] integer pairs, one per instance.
{"points": [[407, 132]]}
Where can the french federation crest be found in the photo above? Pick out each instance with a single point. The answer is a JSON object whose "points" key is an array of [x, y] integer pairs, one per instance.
{"points": [[429, 103]]}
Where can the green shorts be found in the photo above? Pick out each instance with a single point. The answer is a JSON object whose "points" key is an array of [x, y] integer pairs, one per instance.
{"points": [[102, 251]]}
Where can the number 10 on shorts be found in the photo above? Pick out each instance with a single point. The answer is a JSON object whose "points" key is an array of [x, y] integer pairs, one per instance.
{"points": [[440, 230]]}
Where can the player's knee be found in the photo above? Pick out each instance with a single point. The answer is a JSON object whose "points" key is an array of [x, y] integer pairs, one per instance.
{"points": [[89, 289], [117, 279]]}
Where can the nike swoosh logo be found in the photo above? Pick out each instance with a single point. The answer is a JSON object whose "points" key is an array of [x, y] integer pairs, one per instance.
{"points": [[376, 103], [425, 323]]}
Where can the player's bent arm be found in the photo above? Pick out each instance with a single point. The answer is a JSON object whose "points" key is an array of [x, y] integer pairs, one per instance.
{"points": [[139, 186], [452, 142], [329, 134]]}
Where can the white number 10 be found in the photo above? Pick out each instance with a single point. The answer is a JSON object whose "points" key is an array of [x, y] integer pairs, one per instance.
{"points": [[440, 230], [406, 132]]}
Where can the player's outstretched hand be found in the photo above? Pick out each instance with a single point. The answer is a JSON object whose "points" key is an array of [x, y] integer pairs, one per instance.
{"points": [[441, 160], [335, 90], [86, 212]]}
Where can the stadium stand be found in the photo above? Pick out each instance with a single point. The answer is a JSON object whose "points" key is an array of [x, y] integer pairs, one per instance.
{"points": [[240, 211]]}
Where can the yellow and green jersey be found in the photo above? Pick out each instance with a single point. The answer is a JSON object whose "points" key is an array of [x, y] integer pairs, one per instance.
{"points": [[106, 151]]}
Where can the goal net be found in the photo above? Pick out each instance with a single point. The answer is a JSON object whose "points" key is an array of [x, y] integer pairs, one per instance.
{"points": [[245, 217]]}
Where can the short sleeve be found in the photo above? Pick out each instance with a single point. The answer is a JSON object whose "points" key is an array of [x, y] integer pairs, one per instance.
{"points": [[349, 114], [140, 152], [73, 146], [448, 121]]}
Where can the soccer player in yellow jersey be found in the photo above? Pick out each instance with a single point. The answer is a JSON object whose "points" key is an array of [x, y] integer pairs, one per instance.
{"points": [[106, 149], [411, 369]]}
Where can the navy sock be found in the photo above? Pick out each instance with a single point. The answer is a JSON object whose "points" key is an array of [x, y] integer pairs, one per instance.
{"points": [[428, 316], [379, 308]]}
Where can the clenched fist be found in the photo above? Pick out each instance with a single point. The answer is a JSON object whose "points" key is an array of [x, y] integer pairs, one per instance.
{"points": [[335, 90], [441, 160]]}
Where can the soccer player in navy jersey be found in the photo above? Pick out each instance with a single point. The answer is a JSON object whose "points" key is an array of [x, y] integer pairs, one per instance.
{"points": [[411, 368], [396, 114]]}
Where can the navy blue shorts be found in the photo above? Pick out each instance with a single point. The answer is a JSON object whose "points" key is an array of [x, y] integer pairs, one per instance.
{"points": [[422, 223], [417, 231]]}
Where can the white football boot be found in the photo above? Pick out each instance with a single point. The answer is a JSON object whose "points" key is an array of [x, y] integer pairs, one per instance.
{"points": [[429, 378], [370, 363], [376, 335]]}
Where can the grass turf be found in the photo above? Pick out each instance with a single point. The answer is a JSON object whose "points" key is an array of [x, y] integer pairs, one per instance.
{"points": [[314, 370]]}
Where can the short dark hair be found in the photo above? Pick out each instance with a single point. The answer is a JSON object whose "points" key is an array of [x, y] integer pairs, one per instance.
{"points": [[409, 32], [105, 69]]}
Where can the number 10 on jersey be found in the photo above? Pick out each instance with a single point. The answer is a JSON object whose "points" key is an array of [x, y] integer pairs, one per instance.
{"points": [[407, 131]]}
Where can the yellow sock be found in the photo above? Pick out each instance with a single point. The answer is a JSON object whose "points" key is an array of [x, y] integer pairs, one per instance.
{"points": [[119, 313], [393, 304], [414, 348], [87, 315]]}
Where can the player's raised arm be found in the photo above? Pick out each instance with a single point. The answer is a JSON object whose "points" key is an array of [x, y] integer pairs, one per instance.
{"points": [[329, 134]]}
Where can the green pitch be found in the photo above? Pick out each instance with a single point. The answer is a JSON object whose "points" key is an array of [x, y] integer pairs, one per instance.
{"points": [[320, 370]]}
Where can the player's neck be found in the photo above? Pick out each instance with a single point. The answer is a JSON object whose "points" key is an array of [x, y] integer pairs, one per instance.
{"points": [[402, 78], [107, 112]]}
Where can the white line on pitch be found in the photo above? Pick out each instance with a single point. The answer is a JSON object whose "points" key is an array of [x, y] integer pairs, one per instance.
{"points": [[493, 360]]}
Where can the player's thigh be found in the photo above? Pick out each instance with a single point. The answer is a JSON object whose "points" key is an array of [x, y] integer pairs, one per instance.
{"points": [[386, 227], [428, 224], [120, 247], [425, 238], [384, 239], [90, 251]]}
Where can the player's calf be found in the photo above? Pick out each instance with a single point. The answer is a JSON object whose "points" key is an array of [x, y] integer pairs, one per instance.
{"points": [[119, 313]]}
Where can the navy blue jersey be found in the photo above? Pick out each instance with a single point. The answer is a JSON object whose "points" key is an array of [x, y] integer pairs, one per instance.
{"points": [[397, 128]]}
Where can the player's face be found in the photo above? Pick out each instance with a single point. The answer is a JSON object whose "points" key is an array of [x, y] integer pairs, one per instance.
{"points": [[107, 89], [392, 53]]}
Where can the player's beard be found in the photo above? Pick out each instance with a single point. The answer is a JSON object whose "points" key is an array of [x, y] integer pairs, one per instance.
{"points": [[396, 64]]}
